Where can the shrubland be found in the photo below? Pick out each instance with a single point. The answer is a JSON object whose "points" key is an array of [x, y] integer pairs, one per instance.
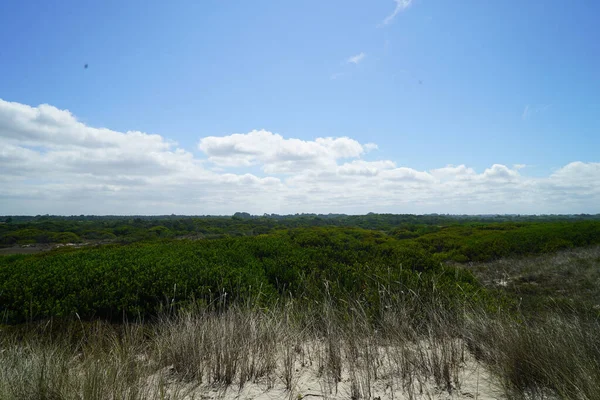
{"points": [[405, 310], [46, 229], [137, 280]]}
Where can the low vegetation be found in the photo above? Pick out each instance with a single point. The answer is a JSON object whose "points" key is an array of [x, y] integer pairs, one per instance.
{"points": [[45, 230], [137, 280], [568, 281], [332, 350], [415, 310]]}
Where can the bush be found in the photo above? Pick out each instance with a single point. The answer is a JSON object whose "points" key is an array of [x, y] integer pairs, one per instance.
{"points": [[138, 279], [65, 237]]}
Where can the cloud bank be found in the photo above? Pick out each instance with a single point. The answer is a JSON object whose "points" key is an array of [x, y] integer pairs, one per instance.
{"points": [[52, 163]]}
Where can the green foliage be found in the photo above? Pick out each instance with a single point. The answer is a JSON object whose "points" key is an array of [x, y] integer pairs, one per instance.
{"points": [[137, 228], [98, 235], [160, 231], [65, 237], [149, 269], [137, 279], [491, 242], [26, 236]]}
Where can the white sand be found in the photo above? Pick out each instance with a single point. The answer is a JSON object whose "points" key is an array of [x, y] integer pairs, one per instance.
{"points": [[475, 382]]}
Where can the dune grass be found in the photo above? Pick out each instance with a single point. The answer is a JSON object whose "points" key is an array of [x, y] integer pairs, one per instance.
{"points": [[416, 343], [344, 351]]}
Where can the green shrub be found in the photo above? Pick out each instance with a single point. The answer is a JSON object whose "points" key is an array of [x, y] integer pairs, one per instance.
{"points": [[138, 279], [98, 235], [65, 237]]}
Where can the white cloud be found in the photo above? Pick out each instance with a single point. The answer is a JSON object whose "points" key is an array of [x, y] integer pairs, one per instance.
{"points": [[276, 154], [401, 5], [531, 110], [52, 163], [407, 175], [364, 168], [371, 147], [46, 125], [357, 58], [578, 173], [451, 172], [500, 172]]}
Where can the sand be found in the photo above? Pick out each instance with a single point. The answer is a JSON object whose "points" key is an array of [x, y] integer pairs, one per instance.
{"points": [[309, 382]]}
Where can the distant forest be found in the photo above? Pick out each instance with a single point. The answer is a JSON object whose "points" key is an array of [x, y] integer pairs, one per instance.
{"points": [[50, 229]]}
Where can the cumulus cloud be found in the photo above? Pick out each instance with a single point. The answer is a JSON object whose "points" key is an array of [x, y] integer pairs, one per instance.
{"points": [[401, 5], [276, 154], [451, 172], [407, 175], [357, 58], [371, 146], [500, 172], [577, 173], [365, 168], [46, 125], [50, 162]]}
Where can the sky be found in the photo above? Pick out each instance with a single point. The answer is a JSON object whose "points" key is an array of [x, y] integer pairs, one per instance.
{"points": [[355, 106]]}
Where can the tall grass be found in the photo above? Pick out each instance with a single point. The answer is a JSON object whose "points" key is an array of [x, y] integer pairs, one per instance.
{"points": [[335, 349], [551, 345], [417, 344], [104, 365], [559, 356]]}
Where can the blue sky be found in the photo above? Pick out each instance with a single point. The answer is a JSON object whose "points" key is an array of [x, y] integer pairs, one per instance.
{"points": [[433, 84]]}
